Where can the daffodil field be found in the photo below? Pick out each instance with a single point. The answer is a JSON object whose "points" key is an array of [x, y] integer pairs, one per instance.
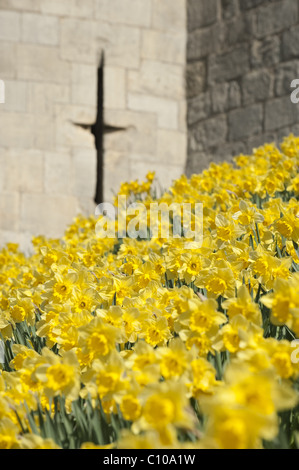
{"points": [[130, 343]]}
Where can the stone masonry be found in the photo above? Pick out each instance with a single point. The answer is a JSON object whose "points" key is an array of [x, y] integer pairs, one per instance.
{"points": [[186, 81], [49, 54], [242, 56]]}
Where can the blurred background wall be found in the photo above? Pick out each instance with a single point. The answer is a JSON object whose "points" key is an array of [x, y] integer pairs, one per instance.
{"points": [[49, 54], [186, 82], [242, 56]]}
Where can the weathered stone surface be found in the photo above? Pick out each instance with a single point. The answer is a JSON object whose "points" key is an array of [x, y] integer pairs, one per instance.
{"points": [[201, 13], [290, 41], [84, 84], [23, 239], [169, 15], [285, 73], [210, 133], [9, 26], [225, 96], [259, 140], [115, 96], [236, 31], [247, 4], [16, 96], [25, 5], [158, 78], [229, 66], [116, 171], [280, 113], [229, 150], [139, 134], [121, 45], [182, 119], [75, 8], [171, 145], [164, 47], [245, 122], [25, 173], [275, 17], [165, 78], [46, 215], [8, 62], [24, 123], [199, 108], [67, 134], [166, 111], [58, 173], [266, 52], [50, 51], [42, 97], [10, 210], [131, 12], [199, 161], [195, 78], [242, 51], [202, 42], [229, 8], [257, 86], [40, 29], [83, 172], [41, 63], [78, 40]]}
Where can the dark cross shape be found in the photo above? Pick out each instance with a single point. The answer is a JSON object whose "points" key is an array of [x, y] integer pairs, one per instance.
{"points": [[98, 129]]}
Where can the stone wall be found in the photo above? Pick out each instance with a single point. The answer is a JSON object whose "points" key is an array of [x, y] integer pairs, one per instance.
{"points": [[241, 58], [49, 54]]}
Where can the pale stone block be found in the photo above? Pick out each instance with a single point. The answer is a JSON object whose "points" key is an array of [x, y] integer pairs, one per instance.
{"points": [[164, 47], [169, 15], [8, 61], [165, 110], [84, 162], [2, 166], [77, 8], [46, 215], [116, 171], [9, 210], [121, 45], [43, 96], [172, 147], [16, 96], [114, 88], [84, 84], [86, 206], [78, 40], [157, 78], [22, 239], [139, 135], [44, 132], [23, 130], [28, 5], [131, 12], [40, 29], [24, 170], [17, 130], [57, 174], [41, 63], [82, 9], [151, 158], [56, 7], [67, 133], [182, 116], [9, 26]]}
